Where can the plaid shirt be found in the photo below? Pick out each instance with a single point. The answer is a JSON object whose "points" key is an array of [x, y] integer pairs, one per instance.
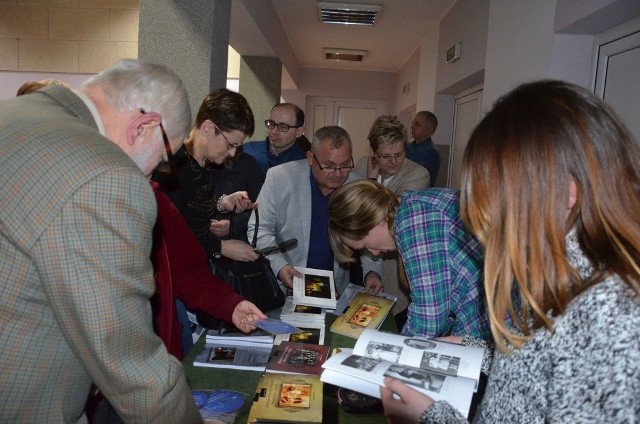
{"points": [[443, 263]]}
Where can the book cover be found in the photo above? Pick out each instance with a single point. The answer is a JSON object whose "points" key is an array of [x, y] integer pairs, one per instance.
{"points": [[315, 288], [238, 356], [292, 312], [287, 398], [298, 358], [350, 291], [365, 311], [443, 371], [311, 333]]}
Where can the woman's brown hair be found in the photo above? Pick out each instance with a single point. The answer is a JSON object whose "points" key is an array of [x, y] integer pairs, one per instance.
{"points": [[518, 168]]}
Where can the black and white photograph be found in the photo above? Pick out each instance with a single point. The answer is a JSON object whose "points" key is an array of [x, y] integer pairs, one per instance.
{"points": [[417, 377], [444, 364], [361, 362], [384, 351], [420, 343]]}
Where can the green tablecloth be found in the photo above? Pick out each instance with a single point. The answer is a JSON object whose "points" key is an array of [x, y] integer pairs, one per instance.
{"points": [[246, 381]]}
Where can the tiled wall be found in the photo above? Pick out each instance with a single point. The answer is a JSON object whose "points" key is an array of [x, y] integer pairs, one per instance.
{"points": [[77, 36]]}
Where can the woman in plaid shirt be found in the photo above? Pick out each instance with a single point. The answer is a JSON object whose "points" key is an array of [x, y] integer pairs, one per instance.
{"points": [[442, 260]]}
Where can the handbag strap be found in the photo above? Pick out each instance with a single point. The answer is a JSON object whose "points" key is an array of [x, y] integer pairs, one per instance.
{"points": [[255, 230]]}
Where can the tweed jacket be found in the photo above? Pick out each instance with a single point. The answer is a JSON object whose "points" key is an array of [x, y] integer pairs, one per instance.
{"points": [[284, 205], [410, 177], [75, 277]]}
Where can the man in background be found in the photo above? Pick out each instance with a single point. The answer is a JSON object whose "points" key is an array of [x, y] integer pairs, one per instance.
{"points": [[285, 140], [294, 202], [421, 150], [76, 230]]}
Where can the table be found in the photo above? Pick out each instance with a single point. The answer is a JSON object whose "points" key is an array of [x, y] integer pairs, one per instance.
{"points": [[246, 381]]}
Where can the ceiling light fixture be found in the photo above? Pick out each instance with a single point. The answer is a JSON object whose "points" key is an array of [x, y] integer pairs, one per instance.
{"points": [[347, 13], [344, 54]]}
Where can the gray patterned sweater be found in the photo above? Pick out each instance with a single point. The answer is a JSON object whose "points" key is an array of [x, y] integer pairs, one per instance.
{"points": [[586, 370]]}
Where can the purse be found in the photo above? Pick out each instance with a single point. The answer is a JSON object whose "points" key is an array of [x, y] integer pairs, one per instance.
{"points": [[255, 281]]}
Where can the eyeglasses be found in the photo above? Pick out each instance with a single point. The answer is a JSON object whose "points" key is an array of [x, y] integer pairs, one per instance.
{"points": [[230, 145], [389, 158], [169, 166], [333, 168], [282, 127]]}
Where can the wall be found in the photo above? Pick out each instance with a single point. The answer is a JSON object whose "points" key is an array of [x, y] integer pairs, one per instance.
{"points": [[407, 77], [467, 23], [76, 36], [361, 85], [519, 45]]}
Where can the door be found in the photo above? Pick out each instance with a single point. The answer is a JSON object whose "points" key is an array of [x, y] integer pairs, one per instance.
{"points": [[465, 118], [617, 81], [355, 116]]}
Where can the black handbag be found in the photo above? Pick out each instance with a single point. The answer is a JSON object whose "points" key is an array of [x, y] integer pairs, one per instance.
{"points": [[255, 281]]}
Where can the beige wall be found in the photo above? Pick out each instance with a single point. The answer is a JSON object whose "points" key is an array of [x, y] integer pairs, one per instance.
{"points": [[76, 36]]}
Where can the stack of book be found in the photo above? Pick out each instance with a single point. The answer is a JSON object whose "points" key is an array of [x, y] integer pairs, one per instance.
{"points": [[309, 319], [313, 295], [236, 350], [442, 371]]}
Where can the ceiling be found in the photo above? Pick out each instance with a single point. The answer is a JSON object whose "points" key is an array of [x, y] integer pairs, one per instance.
{"points": [[389, 43]]}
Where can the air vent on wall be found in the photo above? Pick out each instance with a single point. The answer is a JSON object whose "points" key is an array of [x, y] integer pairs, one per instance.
{"points": [[344, 54], [347, 13]]}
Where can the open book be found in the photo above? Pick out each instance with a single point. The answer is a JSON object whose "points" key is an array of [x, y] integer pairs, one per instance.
{"points": [[442, 371], [315, 288]]}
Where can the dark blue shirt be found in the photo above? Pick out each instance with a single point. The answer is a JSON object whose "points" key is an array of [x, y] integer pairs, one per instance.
{"points": [[427, 155], [320, 253], [262, 154]]}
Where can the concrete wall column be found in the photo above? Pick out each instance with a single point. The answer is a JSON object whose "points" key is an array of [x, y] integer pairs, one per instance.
{"points": [[260, 83], [191, 37]]}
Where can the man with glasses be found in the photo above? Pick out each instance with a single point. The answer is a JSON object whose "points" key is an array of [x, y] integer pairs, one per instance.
{"points": [[421, 150], [388, 165], [293, 203], [75, 277], [285, 138]]}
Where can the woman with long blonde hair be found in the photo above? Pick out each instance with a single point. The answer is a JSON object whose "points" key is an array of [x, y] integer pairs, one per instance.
{"points": [[551, 188]]}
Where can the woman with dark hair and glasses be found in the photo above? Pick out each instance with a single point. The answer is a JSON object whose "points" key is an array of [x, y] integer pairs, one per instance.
{"points": [[551, 188], [223, 121]]}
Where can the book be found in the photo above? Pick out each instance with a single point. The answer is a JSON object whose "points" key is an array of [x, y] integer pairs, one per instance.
{"points": [[315, 288], [297, 358], [365, 311], [311, 333], [234, 354], [295, 313], [350, 291], [441, 370], [234, 336], [287, 398]]}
